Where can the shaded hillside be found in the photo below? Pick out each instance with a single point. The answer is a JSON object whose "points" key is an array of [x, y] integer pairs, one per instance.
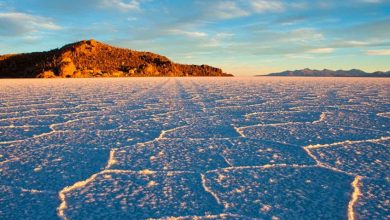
{"points": [[331, 73], [94, 59]]}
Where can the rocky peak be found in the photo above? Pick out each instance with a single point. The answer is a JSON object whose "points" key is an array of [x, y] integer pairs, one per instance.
{"points": [[90, 58]]}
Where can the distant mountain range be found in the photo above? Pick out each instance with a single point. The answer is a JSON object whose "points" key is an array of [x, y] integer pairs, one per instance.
{"points": [[90, 58], [330, 73]]}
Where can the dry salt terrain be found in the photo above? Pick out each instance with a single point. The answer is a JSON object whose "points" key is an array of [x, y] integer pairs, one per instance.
{"points": [[215, 148]]}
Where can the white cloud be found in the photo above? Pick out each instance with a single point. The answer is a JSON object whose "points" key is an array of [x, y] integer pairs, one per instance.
{"points": [[235, 9], [372, 1], [321, 50], [303, 35], [122, 5], [378, 52], [223, 35], [355, 43], [298, 56], [14, 23], [260, 6], [227, 10], [190, 34]]}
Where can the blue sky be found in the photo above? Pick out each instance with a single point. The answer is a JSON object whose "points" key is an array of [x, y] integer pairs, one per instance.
{"points": [[244, 37]]}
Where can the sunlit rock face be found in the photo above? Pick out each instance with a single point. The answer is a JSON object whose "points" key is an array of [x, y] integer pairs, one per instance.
{"points": [[206, 148]]}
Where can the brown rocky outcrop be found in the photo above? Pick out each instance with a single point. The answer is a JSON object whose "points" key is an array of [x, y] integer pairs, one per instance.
{"points": [[66, 68], [94, 59]]}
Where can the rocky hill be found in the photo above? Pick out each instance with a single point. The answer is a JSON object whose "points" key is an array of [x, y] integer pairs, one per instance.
{"points": [[331, 73], [91, 58]]}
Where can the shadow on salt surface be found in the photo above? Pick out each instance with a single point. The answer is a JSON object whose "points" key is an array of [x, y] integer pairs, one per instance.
{"points": [[139, 195], [19, 203], [173, 154], [365, 159], [373, 202], [307, 133], [283, 192]]}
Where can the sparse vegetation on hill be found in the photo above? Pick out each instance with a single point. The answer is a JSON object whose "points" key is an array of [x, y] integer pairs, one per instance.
{"points": [[94, 59]]}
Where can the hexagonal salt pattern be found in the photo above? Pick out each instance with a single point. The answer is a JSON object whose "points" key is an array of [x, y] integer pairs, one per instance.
{"points": [[195, 148]]}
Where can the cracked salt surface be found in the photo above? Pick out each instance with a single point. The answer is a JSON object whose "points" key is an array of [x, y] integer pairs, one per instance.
{"points": [[204, 148]]}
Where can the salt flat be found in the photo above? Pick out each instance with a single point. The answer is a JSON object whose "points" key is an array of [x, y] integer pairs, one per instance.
{"points": [[218, 148]]}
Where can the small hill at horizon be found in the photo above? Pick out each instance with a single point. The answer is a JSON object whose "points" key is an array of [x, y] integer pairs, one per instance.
{"points": [[330, 73], [90, 58]]}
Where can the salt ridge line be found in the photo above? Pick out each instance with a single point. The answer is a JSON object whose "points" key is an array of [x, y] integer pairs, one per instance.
{"points": [[30, 105], [160, 137], [226, 160], [21, 126], [163, 132], [34, 110], [33, 191], [53, 130], [354, 198], [266, 166], [323, 165], [23, 112], [302, 108], [207, 189], [235, 98], [366, 129], [79, 113], [111, 159], [237, 106], [260, 113], [18, 100], [26, 117], [321, 119], [222, 215], [239, 131], [274, 124], [384, 114], [62, 194], [166, 113], [11, 142], [346, 142]]}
